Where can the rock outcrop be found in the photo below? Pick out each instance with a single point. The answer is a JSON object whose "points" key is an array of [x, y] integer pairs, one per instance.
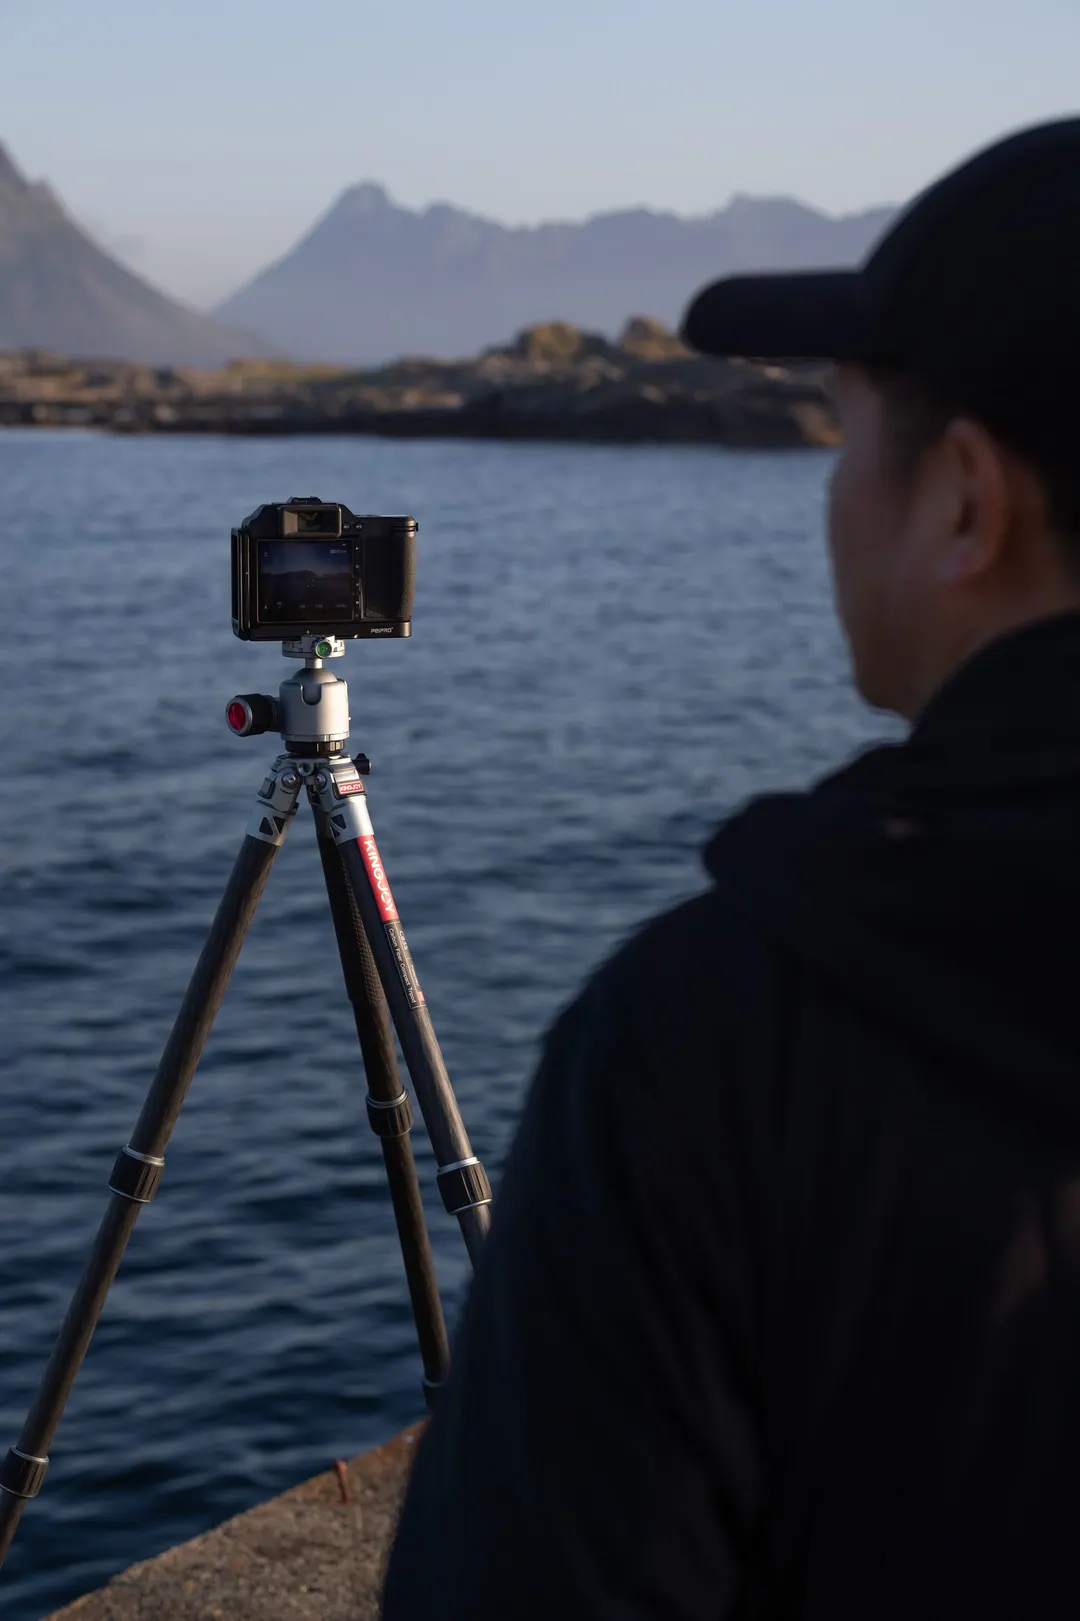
{"points": [[553, 381]]}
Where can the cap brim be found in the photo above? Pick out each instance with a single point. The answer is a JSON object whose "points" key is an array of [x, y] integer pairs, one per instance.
{"points": [[812, 316]]}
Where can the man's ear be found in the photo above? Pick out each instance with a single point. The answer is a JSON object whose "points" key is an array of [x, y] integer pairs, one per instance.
{"points": [[972, 494]]}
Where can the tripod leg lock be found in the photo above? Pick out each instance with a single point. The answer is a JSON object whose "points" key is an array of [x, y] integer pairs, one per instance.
{"points": [[136, 1176], [21, 1474], [393, 1119], [463, 1185]]}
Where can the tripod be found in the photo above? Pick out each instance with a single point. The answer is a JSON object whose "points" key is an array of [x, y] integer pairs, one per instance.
{"points": [[311, 713]]}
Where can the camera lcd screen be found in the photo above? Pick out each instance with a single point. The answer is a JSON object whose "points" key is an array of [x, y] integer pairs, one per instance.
{"points": [[306, 581]]}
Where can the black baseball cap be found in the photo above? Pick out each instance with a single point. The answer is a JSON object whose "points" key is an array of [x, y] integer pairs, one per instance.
{"points": [[975, 289]]}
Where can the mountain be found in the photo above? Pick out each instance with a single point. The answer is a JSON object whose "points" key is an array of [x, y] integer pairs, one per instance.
{"points": [[59, 290], [372, 280]]}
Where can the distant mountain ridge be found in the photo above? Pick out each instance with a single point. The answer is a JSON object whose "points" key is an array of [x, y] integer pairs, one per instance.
{"points": [[372, 280], [59, 290]]}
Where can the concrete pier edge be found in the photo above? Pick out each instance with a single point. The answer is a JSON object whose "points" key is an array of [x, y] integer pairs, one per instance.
{"points": [[315, 1553]]}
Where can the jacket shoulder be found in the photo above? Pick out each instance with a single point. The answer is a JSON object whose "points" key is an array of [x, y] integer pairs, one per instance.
{"points": [[701, 955]]}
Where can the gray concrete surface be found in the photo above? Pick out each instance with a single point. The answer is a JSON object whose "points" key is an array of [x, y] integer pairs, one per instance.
{"points": [[307, 1555]]}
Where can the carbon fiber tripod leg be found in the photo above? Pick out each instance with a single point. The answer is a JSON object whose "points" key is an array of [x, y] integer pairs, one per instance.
{"points": [[138, 1169], [388, 1107], [337, 790]]}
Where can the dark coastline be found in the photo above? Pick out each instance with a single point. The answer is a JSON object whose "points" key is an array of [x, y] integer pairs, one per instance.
{"points": [[552, 383]]}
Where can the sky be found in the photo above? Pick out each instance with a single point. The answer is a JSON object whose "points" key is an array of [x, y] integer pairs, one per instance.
{"points": [[198, 140]]}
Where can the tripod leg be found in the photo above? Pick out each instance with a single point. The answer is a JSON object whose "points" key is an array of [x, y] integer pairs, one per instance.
{"points": [[138, 1169], [337, 790], [389, 1109]]}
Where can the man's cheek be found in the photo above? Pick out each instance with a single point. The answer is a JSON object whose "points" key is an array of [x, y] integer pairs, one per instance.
{"points": [[840, 524]]}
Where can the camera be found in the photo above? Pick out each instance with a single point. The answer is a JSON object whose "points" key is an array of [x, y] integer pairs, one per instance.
{"points": [[305, 566]]}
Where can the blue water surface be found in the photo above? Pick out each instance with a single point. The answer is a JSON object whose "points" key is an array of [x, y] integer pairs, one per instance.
{"points": [[612, 649]]}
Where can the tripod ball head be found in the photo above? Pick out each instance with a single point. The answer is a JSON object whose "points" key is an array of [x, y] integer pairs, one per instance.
{"points": [[311, 711]]}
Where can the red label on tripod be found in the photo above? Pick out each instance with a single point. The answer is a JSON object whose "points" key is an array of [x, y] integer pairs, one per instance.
{"points": [[381, 887], [349, 787]]}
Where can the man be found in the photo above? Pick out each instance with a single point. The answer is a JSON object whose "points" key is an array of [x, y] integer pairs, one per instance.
{"points": [[780, 1313]]}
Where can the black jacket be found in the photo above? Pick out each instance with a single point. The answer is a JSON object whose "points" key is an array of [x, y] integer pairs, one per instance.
{"points": [[780, 1312]]}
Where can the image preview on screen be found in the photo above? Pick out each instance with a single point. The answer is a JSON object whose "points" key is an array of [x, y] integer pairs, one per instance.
{"points": [[305, 580]]}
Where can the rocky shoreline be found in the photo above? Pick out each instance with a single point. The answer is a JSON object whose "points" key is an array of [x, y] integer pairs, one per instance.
{"points": [[554, 382]]}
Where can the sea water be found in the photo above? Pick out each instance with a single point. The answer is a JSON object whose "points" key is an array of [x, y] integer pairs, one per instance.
{"points": [[612, 649]]}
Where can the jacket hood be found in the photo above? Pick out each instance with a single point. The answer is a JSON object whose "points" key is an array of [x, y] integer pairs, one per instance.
{"points": [[936, 882]]}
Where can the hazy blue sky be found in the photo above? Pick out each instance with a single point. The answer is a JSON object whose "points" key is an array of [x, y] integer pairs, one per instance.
{"points": [[198, 139]]}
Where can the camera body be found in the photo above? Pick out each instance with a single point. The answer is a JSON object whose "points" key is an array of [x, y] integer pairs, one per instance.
{"points": [[305, 567]]}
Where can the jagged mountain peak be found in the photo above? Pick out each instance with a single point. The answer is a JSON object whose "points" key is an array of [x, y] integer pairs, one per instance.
{"points": [[59, 290], [366, 197], [10, 174], [373, 279]]}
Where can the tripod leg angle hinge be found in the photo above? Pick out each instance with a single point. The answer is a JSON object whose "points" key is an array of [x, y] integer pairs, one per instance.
{"points": [[277, 801]]}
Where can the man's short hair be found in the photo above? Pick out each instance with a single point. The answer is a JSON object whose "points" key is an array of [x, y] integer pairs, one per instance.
{"points": [[918, 414]]}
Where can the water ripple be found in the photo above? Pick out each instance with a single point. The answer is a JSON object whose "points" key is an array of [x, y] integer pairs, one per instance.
{"points": [[612, 649]]}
